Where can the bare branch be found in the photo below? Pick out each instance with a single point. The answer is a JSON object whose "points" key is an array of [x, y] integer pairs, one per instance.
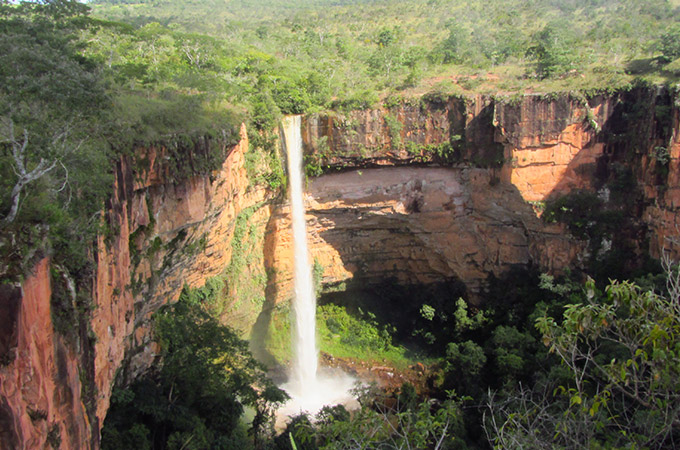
{"points": [[19, 156]]}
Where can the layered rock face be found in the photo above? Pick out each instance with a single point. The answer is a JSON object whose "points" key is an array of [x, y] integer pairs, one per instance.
{"points": [[542, 146], [658, 172], [439, 189], [421, 226], [41, 396], [552, 147]]}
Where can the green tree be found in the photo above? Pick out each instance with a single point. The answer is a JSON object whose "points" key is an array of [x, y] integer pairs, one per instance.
{"points": [[463, 365], [48, 95], [621, 355], [387, 36], [512, 352], [553, 50], [196, 398], [450, 50], [376, 425], [670, 43]]}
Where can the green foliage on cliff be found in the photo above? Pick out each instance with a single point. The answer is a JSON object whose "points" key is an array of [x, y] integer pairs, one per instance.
{"points": [[196, 397], [239, 290], [65, 116], [54, 166]]}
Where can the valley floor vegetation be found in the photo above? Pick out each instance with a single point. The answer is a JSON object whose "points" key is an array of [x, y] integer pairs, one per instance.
{"points": [[549, 363]]}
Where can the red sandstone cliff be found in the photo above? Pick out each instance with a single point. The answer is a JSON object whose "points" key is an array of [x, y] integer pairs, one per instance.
{"points": [[167, 234], [41, 400], [420, 226], [472, 217], [542, 146], [466, 218]]}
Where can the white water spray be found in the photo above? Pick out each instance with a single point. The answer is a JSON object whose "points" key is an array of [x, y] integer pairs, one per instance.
{"points": [[308, 392], [305, 359]]}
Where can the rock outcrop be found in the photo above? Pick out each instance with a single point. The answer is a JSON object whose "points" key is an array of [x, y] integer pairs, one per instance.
{"points": [[543, 146], [551, 147], [171, 235], [41, 383], [546, 146]]}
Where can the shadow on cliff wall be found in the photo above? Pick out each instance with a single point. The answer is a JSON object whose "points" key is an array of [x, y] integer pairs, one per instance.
{"points": [[372, 246], [8, 436], [492, 231], [260, 329], [10, 303], [610, 167], [603, 159]]}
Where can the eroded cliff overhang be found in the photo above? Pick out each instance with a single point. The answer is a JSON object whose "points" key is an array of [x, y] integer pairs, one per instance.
{"points": [[417, 225]]}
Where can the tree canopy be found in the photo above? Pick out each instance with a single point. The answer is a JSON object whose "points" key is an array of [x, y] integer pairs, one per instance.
{"points": [[196, 398]]}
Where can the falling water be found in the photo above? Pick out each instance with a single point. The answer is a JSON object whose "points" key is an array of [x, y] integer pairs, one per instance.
{"points": [[305, 358], [308, 391]]}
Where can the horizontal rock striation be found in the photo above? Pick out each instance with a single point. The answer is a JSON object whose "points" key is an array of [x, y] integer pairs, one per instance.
{"points": [[546, 146], [420, 226]]}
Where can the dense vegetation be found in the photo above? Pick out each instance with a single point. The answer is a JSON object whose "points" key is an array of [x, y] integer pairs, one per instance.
{"points": [[50, 103], [547, 363], [318, 54], [196, 398], [65, 118]]}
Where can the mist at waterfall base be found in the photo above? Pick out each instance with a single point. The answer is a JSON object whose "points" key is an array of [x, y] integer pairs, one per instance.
{"points": [[310, 389]]}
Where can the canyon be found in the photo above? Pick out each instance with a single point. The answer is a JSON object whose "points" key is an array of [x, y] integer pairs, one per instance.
{"points": [[427, 190]]}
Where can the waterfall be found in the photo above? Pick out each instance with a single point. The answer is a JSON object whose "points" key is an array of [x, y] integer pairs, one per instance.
{"points": [[308, 392], [305, 357]]}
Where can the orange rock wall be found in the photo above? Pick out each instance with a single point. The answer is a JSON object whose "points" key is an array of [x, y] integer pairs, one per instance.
{"points": [[40, 389], [542, 146], [164, 235], [551, 147], [661, 183], [528, 150], [181, 235], [419, 226]]}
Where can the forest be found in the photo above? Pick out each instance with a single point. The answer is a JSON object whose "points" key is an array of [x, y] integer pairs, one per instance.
{"points": [[587, 359]]}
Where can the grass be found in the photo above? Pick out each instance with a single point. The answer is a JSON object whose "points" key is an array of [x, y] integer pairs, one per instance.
{"points": [[511, 79], [341, 335]]}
